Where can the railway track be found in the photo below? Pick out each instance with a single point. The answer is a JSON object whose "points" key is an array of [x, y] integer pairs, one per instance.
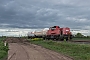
{"points": [[81, 41], [75, 41]]}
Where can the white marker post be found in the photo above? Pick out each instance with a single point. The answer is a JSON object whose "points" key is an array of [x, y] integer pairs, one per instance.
{"points": [[5, 43]]}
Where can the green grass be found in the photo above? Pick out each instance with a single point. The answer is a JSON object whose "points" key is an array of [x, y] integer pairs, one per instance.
{"points": [[3, 49], [78, 52]]}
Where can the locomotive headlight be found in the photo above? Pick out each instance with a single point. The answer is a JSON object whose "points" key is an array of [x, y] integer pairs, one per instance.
{"points": [[67, 30]]}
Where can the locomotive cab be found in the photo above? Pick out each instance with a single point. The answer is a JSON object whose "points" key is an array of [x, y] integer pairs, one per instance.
{"points": [[65, 32], [53, 32]]}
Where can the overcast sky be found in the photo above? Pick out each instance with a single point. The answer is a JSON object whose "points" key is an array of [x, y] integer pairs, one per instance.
{"points": [[45, 13]]}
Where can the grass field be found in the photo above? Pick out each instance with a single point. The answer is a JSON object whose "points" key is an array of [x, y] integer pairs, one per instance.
{"points": [[76, 51], [3, 49]]}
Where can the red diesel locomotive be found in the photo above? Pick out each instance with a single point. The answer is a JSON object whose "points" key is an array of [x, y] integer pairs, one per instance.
{"points": [[57, 33]]}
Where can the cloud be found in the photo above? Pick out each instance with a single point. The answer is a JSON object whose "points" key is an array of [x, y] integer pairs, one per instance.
{"points": [[44, 13], [78, 20]]}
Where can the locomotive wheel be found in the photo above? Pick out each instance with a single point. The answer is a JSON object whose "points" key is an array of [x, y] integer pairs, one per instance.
{"points": [[44, 38], [62, 39], [67, 39]]}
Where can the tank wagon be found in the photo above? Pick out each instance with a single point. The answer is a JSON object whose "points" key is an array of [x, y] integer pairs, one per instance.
{"points": [[31, 35], [54, 33], [38, 34]]}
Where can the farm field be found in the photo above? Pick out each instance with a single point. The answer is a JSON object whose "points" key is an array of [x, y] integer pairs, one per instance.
{"points": [[76, 51]]}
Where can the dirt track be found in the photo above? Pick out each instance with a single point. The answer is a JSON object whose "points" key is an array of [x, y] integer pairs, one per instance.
{"points": [[21, 51]]}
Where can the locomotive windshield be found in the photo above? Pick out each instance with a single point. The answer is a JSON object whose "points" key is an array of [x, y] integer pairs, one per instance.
{"points": [[53, 28]]}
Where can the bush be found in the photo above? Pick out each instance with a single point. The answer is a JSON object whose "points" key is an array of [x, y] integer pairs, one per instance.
{"points": [[2, 54], [3, 49]]}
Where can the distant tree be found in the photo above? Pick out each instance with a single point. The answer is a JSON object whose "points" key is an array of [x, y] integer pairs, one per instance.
{"points": [[88, 36], [79, 35]]}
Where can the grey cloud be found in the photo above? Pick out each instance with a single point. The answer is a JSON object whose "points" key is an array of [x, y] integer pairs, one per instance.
{"points": [[44, 13]]}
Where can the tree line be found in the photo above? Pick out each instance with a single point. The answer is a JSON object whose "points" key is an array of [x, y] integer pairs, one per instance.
{"points": [[80, 35]]}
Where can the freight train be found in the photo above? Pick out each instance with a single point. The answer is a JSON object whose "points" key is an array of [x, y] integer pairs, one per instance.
{"points": [[53, 33]]}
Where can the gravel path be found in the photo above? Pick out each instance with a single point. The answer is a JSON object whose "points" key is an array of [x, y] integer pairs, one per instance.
{"points": [[21, 51]]}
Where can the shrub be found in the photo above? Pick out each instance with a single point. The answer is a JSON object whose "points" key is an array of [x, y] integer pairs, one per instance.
{"points": [[3, 49]]}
